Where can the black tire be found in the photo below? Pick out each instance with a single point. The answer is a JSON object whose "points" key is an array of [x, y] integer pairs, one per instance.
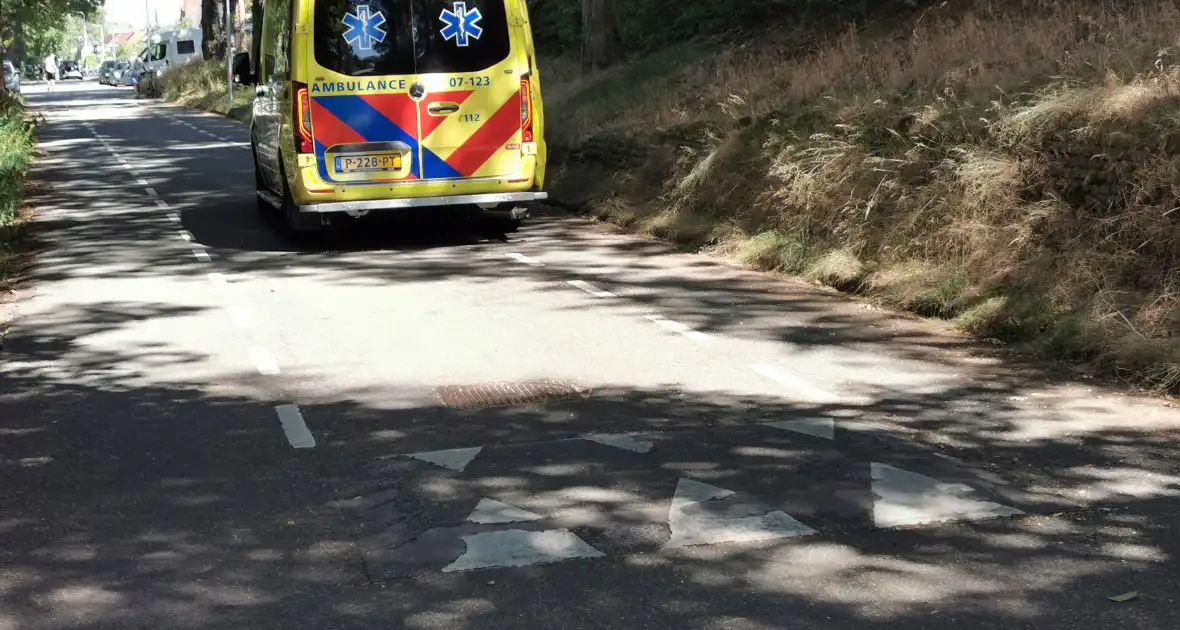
{"points": [[263, 206], [302, 223]]}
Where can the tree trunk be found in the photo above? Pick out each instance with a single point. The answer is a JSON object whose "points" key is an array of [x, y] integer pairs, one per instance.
{"points": [[213, 29], [602, 41], [256, 9]]}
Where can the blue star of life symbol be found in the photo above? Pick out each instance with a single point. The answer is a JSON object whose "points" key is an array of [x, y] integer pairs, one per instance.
{"points": [[461, 24], [364, 28]]}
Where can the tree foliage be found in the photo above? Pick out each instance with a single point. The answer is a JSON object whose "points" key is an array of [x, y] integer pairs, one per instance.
{"points": [[39, 27], [650, 24]]}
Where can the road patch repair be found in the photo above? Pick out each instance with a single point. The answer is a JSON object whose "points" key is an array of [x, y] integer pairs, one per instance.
{"points": [[603, 495]]}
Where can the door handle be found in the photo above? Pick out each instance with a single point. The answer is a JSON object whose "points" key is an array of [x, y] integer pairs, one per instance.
{"points": [[442, 108]]}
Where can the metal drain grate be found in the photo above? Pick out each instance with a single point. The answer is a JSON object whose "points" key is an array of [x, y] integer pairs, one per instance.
{"points": [[502, 394]]}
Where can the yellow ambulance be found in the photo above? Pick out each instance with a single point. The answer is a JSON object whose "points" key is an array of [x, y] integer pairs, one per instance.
{"points": [[374, 105]]}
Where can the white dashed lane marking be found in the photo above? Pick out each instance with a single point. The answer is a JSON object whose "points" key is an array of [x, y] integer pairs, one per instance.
{"points": [[298, 435], [676, 327], [173, 217], [591, 289], [151, 192], [186, 235], [240, 317], [263, 362], [218, 280], [528, 260], [799, 388], [202, 255], [161, 204]]}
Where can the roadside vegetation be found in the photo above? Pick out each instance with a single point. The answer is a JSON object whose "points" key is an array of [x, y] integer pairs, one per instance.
{"points": [[1010, 166], [16, 154], [203, 85]]}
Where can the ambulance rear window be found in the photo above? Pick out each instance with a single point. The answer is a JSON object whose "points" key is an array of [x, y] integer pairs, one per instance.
{"points": [[457, 36], [391, 37], [364, 37]]}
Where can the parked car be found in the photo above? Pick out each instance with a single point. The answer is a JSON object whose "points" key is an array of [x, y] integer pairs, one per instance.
{"points": [[11, 77], [104, 72], [111, 72], [70, 70], [115, 74]]}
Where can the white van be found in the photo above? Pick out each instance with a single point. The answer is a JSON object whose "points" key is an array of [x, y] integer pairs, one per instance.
{"points": [[170, 49]]}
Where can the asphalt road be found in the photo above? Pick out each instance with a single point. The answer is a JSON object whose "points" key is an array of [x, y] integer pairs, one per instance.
{"points": [[417, 423]]}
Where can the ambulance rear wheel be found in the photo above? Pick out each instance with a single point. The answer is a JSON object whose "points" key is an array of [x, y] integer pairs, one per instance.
{"points": [[264, 207], [297, 222]]}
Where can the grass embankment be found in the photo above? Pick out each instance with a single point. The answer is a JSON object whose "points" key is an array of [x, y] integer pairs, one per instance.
{"points": [[1012, 167], [16, 154], [202, 85]]}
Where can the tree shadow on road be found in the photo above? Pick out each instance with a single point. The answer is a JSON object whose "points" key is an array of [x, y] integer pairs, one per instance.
{"points": [[129, 500], [180, 505]]}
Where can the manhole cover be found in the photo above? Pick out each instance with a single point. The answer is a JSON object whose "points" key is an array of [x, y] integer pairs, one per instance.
{"points": [[506, 393]]}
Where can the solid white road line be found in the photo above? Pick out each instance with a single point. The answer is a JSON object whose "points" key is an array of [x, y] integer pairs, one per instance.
{"points": [[298, 435], [591, 289]]}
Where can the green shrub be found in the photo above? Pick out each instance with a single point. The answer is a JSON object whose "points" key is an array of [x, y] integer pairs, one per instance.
{"points": [[16, 154]]}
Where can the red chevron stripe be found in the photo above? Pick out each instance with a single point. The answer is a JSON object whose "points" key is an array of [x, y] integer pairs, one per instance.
{"points": [[430, 123], [488, 139], [399, 108], [329, 129]]}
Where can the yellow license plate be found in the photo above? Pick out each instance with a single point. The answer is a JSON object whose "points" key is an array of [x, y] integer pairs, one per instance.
{"points": [[368, 163]]}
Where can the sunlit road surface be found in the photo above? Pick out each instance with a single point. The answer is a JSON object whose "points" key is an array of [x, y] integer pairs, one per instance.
{"points": [[415, 423]]}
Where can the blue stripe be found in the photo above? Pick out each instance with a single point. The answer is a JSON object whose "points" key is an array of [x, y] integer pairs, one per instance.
{"points": [[436, 167], [320, 162], [371, 125]]}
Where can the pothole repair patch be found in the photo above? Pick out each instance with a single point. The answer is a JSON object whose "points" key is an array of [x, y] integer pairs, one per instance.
{"points": [[501, 394]]}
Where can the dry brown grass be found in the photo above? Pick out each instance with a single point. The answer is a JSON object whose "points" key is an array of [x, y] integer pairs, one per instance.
{"points": [[975, 56], [202, 84], [1016, 169]]}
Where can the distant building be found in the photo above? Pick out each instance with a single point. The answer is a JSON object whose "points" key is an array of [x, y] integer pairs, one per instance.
{"points": [[132, 39]]}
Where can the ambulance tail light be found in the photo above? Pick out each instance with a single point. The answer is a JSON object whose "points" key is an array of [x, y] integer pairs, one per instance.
{"points": [[526, 109], [302, 121]]}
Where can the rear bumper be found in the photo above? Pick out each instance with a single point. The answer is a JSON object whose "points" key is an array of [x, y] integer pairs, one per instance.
{"points": [[487, 199]]}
